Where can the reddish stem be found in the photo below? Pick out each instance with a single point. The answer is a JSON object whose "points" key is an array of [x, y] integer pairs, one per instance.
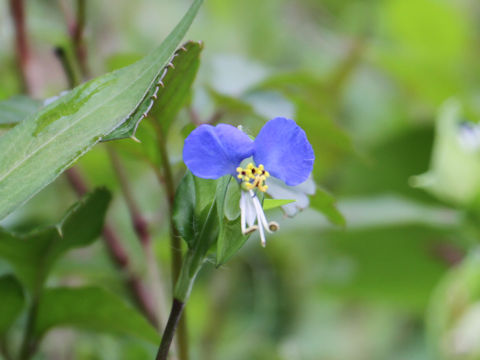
{"points": [[17, 9], [119, 255]]}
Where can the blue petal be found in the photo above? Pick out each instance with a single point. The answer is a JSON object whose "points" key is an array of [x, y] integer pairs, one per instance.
{"points": [[212, 152], [283, 149]]}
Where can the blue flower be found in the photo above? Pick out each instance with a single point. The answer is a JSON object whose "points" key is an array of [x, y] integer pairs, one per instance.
{"points": [[280, 151]]}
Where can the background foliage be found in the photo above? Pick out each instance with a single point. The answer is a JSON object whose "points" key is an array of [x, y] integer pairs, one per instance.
{"points": [[380, 87]]}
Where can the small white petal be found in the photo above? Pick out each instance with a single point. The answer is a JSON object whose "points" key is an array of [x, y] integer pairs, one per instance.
{"points": [[277, 189]]}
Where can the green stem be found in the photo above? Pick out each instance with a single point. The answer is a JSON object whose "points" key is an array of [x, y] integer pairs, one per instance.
{"points": [[167, 337], [67, 67], [175, 243], [192, 264], [29, 341]]}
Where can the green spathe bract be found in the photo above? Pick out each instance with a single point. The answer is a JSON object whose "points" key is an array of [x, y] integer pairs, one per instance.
{"points": [[42, 146]]}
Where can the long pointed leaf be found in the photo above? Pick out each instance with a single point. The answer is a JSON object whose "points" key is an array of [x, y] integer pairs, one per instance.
{"points": [[40, 148]]}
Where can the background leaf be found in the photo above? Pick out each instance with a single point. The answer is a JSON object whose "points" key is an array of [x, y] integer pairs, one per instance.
{"points": [[453, 312], [325, 203], [91, 308], [12, 303], [33, 255], [17, 108]]}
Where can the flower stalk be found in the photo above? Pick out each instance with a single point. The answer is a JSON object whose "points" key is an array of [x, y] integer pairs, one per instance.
{"points": [[175, 240], [192, 263]]}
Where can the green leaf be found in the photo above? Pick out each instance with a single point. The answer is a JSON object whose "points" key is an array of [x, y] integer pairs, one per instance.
{"points": [[13, 301], [33, 255], [177, 79], [269, 204], [177, 84], [16, 109], [37, 150], [325, 203], [398, 265], [192, 211], [427, 40], [230, 240], [91, 308], [184, 209]]}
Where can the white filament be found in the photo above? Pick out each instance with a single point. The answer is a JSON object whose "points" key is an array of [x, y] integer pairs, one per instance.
{"points": [[250, 211]]}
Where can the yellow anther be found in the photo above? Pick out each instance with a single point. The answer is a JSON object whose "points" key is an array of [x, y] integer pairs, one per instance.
{"points": [[253, 177], [249, 185]]}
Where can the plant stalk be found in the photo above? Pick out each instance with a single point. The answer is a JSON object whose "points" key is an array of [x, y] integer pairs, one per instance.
{"points": [[167, 337], [67, 67], [140, 225], [77, 35], [175, 240], [29, 344], [192, 264], [24, 58]]}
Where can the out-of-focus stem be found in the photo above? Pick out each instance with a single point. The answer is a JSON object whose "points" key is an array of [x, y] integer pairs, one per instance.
{"points": [[23, 54], [76, 21], [119, 255], [117, 252], [175, 243], [345, 68], [67, 67], [29, 343], [140, 226], [77, 32], [194, 118]]}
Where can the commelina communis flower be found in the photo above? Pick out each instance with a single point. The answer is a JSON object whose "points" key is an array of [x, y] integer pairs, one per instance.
{"points": [[278, 162]]}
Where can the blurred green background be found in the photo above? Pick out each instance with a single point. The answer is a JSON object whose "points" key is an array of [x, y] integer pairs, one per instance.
{"points": [[382, 88]]}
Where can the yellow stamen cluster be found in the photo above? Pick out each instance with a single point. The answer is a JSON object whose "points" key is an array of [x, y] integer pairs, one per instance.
{"points": [[253, 177]]}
